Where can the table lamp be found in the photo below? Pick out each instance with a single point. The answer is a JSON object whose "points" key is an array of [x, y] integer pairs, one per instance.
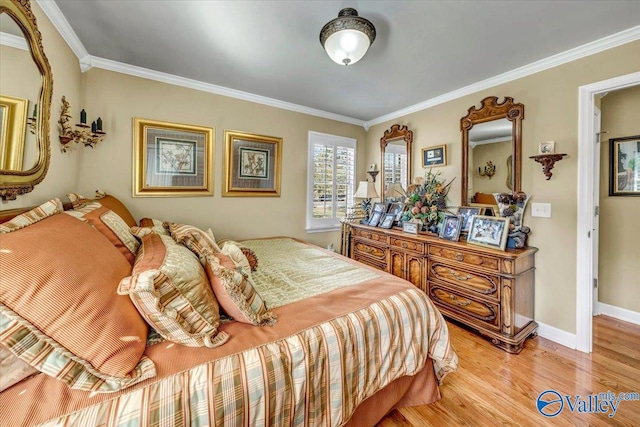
{"points": [[366, 191]]}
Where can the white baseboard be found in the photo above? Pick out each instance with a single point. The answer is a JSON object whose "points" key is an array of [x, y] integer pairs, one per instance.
{"points": [[616, 312], [559, 336]]}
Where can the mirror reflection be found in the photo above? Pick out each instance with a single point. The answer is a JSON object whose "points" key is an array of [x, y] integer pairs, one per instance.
{"points": [[20, 86], [395, 148], [490, 157]]}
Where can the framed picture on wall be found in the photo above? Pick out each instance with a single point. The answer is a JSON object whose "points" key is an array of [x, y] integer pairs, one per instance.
{"points": [[434, 156], [624, 166], [252, 165], [172, 159]]}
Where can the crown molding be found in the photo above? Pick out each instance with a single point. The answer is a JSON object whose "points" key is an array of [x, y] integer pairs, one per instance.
{"points": [[53, 12], [11, 40], [132, 70], [609, 42]]}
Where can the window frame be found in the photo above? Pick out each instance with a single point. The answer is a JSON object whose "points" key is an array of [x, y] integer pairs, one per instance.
{"points": [[318, 225]]}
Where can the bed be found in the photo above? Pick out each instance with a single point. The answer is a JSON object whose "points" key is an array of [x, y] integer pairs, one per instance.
{"points": [[350, 344]]}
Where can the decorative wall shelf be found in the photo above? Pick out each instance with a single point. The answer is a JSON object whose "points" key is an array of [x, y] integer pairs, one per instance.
{"points": [[547, 161]]}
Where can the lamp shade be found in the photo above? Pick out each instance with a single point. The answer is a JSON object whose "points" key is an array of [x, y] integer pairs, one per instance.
{"points": [[394, 190], [366, 190], [347, 38]]}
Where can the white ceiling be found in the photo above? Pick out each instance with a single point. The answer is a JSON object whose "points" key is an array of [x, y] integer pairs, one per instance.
{"points": [[423, 49]]}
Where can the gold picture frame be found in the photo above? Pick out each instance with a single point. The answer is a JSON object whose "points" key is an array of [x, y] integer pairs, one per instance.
{"points": [[252, 165], [172, 159], [13, 130], [434, 156]]}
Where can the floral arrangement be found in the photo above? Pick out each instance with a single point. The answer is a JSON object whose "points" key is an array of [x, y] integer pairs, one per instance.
{"points": [[426, 200]]}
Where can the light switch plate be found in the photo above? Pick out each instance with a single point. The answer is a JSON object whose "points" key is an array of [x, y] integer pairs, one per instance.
{"points": [[542, 210]]}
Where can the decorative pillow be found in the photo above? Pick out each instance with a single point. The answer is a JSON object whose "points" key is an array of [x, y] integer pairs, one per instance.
{"points": [[199, 242], [59, 310], [150, 225], [236, 291], [233, 251], [109, 224], [43, 211], [171, 291], [247, 251], [12, 369], [107, 201]]}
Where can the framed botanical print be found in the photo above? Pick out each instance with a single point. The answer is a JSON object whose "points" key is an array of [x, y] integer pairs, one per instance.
{"points": [[624, 166], [252, 165], [172, 159]]}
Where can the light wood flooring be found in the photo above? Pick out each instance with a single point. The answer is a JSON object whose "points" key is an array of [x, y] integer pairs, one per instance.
{"points": [[494, 388]]}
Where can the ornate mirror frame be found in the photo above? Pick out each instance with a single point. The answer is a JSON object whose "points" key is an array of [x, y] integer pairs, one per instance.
{"points": [[493, 110], [396, 132], [14, 183]]}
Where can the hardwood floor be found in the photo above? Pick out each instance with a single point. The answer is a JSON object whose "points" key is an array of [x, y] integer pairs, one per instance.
{"points": [[492, 387]]}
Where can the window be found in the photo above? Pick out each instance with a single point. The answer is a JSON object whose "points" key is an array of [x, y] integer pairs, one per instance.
{"points": [[331, 181], [395, 165]]}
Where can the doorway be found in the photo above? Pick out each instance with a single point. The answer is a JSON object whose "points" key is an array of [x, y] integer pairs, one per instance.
{"points": [[586, 204]]}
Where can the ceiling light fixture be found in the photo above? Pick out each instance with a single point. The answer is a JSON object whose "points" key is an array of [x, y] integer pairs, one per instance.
{"points": [[348, 37]]}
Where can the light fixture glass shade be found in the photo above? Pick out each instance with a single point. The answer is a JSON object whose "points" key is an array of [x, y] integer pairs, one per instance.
{"points": [[366, 190], [348, 37]]}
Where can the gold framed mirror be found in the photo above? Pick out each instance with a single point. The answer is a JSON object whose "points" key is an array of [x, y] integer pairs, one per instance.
{"points": [[491, 133], [395, 161], [26, 75]]}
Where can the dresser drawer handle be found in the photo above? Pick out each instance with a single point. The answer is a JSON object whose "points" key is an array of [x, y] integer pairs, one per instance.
{"points": [[404, 245], [460, 278], [459, 257], [459, 303]]}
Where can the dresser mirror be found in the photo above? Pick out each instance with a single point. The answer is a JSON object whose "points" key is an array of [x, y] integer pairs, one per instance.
{"points": [[25, 101], [395, 148], [491, 150]]}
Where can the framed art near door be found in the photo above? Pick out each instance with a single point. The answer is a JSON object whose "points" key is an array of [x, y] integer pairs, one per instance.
{"points": [[624, 166]]}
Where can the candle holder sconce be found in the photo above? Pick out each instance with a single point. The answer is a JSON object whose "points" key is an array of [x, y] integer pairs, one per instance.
{"points": [[88, 135], [489, 170]]}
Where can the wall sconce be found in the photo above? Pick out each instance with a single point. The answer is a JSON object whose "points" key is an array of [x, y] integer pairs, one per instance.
{"points": [[88, 135], [489, 170]]}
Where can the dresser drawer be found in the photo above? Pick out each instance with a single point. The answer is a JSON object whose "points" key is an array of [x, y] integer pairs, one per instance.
{"points": [[474, 259], [380, 265], [376, 236], [485, 285], [465, 308], [408, 245], [373, 252]]}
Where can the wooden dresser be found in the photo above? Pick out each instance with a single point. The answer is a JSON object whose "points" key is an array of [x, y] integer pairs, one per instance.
{"points": [[488, 290]]}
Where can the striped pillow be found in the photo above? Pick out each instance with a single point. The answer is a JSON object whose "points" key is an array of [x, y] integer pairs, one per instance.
{"points": [[170, 289], [236, 292], [12, 369], [150, 225], [106, 200], [59, 310], [43, 211], [199, 242], [110, 225]]}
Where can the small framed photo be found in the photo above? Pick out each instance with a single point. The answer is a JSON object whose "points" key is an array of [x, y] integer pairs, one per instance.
{"points": [[624, 166], [490, 231], [547, 147], [466, 213], [434, 156], [450, 228], [375, 219], [387, 221], [380, 207], [410, 227], [489, 210], [396, 209]]}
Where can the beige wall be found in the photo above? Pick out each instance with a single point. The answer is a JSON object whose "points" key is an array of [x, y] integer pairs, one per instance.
{"points": [[619, 270], [550, 99], [62, 175], [118, 98]]}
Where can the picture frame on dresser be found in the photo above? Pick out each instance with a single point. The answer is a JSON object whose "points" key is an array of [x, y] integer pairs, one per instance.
{"points": [[380, 207], [489, 231], [387, 220], [466, 214], [410, 227], [375, 219], [450, 229]]}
